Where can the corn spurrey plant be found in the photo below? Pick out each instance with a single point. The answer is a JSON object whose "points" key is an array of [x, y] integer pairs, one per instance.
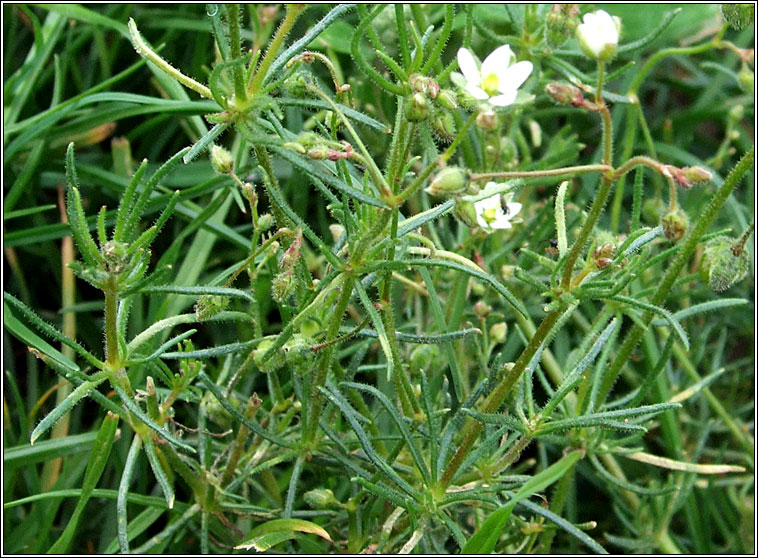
{"points": [[389, 291]]}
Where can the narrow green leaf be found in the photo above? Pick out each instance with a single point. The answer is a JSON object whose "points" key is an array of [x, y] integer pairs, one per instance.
{"points": [[160, 474], [483, 541], [398, 420], [213, 388], [96, 465], [379, 325], [668, 316], [142, 416], [28, 455], [64, 407], [273, 532]]}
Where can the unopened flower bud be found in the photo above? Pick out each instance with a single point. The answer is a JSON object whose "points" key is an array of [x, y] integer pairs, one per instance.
{"points": [[498, 332], [564, 93], [486, 120], [444, 124], [282, 287], [720, 266], [507, 272], [747, 79], [309, 139], [446, 99], [675, 224], [466, 99], [298, 354], [114, 254], [422, 356], [417, 108], [602, 263], [450, 180], [697, 174], [318, 152], [738, 15], [605, 250], [221, 159], [736, 113], [652, 209], [297, 84], [272, 364], [598, 35], [482, 309], [208, 306], [320, 498], [465, 212], [292, 254], [294, 146], [337, 231], [559, 27], [265, 221]]}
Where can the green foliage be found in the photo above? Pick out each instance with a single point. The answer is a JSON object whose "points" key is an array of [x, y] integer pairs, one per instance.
{"points": [[346, 288]]}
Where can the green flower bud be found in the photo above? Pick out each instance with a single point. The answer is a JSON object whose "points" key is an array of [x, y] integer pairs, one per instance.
{"points": [[446, 99], [265, 221], [697, 174], [675, 224], [320, 499], [720, 266], [466, 99], [498, 332], [309, 328], [114, 254], [559, 28], [298, 354], [736, 113], [309, 139], [652, 209], [217, 413], [282, 287], [221, 159], [294, 146], [208, 306], [271, 365], [747, 79], [422, 356], [417, 108], [318, 152], [297, 84], [465, 212], [482, 309], [450, 180], [444, 124], [738, 15], [507, 272]]}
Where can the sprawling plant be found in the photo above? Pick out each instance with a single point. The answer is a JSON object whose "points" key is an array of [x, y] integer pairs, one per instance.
{"points": [[412, 313]]}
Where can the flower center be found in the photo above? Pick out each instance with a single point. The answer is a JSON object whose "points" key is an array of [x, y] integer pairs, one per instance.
{"points": [[490, 214], [490, 84]]}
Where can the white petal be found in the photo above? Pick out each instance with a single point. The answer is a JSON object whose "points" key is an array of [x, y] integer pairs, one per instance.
{"points": [[477, 92], [503, 223], [468, 67], [504, 99], [498, 61], [515, 76], [513, 209], [493, 202]]}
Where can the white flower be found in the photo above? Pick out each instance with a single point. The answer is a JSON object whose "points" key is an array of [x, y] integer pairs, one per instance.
{"points": [[497, 80], [492, 213], [599, 35]]}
